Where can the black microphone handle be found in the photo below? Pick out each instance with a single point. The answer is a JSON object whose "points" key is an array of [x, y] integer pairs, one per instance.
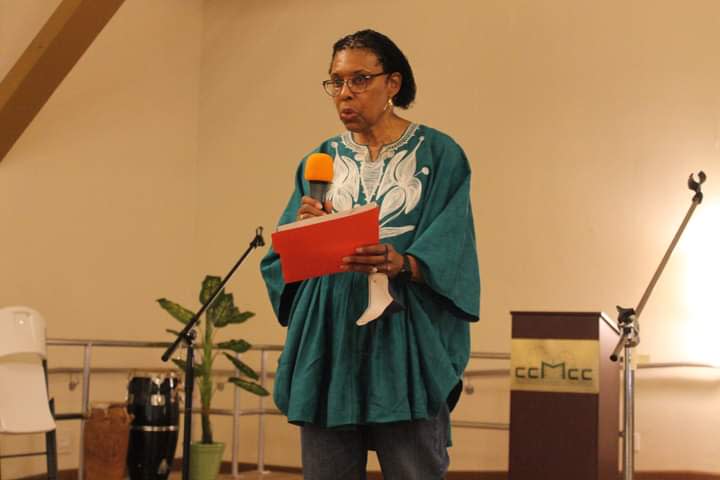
{"points": [[318, 190]]}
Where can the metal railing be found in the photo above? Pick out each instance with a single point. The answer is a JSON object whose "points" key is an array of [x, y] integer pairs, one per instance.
{"points": [[236, 412]]}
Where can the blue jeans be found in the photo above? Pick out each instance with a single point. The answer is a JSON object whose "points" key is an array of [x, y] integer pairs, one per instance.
{"points": [[415, 450]]}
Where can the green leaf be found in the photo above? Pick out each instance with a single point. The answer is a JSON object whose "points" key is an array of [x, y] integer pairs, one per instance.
{"points": [[181, 365], [239, 346], [240, 317], [244, 368], [249, 386], [209, 285], [179, 312], [221, 310]]}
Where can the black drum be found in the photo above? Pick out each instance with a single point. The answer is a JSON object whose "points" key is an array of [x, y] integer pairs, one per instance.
{"points": [[153, 403]]}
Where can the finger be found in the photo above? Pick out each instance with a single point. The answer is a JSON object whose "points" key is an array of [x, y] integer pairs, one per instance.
{"points": [[306, 200], [364, 259], [388, 269], [311, 210], [377, 249], [328, 206], [360, 268], [307, 211]]}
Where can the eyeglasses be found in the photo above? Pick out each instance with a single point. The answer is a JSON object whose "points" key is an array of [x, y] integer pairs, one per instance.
{"points": [[356, 84]]}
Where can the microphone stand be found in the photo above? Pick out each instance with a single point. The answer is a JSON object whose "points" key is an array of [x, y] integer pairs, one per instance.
{"points": [[630, 338], [188, 336]]}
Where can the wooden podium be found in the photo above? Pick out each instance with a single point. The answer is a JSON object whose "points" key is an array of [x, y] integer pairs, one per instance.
{"points": [[564, 397]]}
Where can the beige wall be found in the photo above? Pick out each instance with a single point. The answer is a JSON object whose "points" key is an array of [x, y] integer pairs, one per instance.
{"points": [[98, 197], [180, 129]]}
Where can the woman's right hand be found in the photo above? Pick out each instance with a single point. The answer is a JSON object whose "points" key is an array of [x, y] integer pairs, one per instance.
{"points": [[309, 207]]}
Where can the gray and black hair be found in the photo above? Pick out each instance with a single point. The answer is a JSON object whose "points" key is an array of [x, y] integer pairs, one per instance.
{"points": [[390, 57]]}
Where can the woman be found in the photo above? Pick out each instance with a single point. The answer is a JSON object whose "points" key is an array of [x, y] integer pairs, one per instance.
{"points": [[388, 385]]}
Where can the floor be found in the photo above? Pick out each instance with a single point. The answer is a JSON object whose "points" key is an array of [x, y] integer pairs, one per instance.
{"points": [[252, 476]]}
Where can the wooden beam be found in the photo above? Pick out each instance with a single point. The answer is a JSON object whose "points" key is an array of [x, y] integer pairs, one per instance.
{"points": [[51, 55]]}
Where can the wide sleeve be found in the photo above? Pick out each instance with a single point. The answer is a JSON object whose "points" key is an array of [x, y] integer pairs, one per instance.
{"points": [[445, 241], [282, 294]]}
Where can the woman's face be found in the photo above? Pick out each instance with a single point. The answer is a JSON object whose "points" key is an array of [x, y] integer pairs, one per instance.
{"points": [[359, 112]]}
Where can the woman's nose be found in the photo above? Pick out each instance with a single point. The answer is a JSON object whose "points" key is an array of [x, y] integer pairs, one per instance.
{"points": [[345, 90]]}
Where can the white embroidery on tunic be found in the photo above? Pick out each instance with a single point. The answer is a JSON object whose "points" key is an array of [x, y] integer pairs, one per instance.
{"points": [[395, 182], [370, 173], [401, 190], [345, 187]]}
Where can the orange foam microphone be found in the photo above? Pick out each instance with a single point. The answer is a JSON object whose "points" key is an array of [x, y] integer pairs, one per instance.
{"points": [[319, 173]]}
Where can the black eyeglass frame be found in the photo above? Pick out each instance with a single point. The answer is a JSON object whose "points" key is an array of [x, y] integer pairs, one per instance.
{"points": [[327, 84]]}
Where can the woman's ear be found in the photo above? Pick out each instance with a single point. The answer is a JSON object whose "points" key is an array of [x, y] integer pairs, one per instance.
{"points": [[395, 82]]}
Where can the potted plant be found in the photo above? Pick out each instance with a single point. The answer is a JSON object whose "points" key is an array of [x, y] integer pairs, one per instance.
{"points": [[206, 455]]}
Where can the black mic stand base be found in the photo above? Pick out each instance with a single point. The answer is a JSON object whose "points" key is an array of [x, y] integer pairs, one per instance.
{"points": [[188, 335], [189, 385]]}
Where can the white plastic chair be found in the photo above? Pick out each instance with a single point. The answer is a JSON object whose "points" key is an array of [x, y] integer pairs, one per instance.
{"points": [[24, 405]]}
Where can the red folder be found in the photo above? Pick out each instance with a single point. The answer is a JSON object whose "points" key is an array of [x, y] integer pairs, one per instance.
{"points": [[316, 246]]}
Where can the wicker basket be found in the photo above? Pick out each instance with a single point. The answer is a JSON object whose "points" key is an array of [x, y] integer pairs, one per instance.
{"points": [[106, 442]]}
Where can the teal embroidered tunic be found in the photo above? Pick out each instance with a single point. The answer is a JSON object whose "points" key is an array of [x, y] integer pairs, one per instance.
{"points": [[402, 366]]}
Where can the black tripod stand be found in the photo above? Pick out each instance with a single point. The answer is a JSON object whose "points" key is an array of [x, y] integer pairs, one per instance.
{"points": [[188, 335]]}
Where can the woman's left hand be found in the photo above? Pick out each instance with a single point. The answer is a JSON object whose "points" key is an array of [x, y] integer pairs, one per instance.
{"points": [[373, 259]]}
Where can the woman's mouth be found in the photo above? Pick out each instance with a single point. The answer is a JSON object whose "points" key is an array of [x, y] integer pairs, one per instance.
{"points": [[348, 114]]}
